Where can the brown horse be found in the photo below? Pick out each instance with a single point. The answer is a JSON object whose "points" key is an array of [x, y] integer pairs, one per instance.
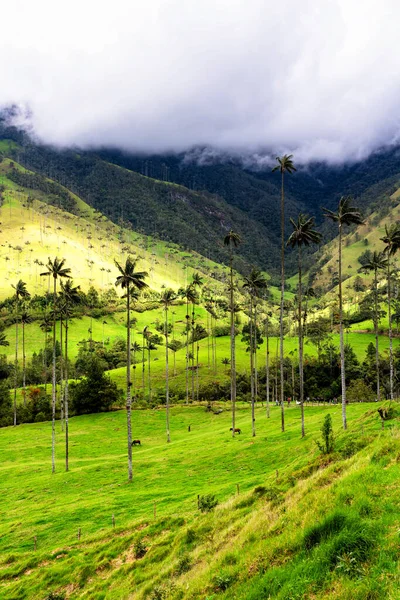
{"points": [[237, 430], [136, 443]]}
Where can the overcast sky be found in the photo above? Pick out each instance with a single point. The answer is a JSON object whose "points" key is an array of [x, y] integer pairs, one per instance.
{"points": [[319, 78]]}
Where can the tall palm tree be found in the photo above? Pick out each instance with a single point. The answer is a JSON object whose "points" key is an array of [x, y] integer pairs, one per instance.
{"points": [[377, 261], [255, 283], [56, 270], [70, 297], [25, 320], [345, 215], [303, 235], [132, 281], [167, 298], [285, 165], [21, 293], [232, 240], [392, 241]]}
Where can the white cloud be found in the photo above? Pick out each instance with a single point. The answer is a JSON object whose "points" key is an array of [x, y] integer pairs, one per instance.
{"points": [[318, 78]]}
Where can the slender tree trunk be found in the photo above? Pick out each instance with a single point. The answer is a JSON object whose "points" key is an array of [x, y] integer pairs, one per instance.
{"points": [[149, 368], [54, 384], [233, 357], [128, 383], [66, 396], [197, 371], [167, 372], [16, 364], [193, 318], [253, 418], [61, 391], [342, 362], [390, 329], [301, 364], [143, 365], [255, 354], [267, 363], [187, 351], [378, 389], [23, 364], [282, 299], [208, 340]]}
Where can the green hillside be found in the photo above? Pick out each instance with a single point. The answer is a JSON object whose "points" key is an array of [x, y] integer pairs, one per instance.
{"points": [[303, 525]]}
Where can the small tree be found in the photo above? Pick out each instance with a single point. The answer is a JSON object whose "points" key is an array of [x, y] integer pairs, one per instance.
{"points": [[328, 439]]}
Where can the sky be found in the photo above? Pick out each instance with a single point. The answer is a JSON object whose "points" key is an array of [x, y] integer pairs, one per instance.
{"points": [[316, 78]]}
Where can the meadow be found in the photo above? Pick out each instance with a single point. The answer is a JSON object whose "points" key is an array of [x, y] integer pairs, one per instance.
{"points": [[158, 510]]}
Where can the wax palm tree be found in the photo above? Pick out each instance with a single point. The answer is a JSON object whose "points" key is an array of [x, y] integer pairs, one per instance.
{"points": [[56, 270], [70, 297], [167, 298], [131, 281], [21, 293], [345, 215], [285, 165], [226, 362], [25, 320], [377, 262], [303, 235], [255, 283], [232, 240], [392, 241]]}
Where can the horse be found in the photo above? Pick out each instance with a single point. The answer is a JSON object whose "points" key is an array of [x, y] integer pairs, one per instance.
{"points": [[136, 443], [237, 430]]}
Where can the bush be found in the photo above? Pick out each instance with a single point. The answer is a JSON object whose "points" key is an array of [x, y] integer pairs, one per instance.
{"points": [[207, 502], [140, 548], [223, 581], [184, 564], [328, 440]]}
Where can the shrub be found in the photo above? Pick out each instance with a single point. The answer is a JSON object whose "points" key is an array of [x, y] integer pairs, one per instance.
{"points": [[223, 581], [207, 502], [140, 549], [328, 440]]}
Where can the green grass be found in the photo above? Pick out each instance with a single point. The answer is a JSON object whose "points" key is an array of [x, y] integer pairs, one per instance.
{"points": [[192, 555]]}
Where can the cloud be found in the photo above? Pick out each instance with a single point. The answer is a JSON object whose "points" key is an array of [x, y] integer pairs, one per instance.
{"points": [[247, 77]]}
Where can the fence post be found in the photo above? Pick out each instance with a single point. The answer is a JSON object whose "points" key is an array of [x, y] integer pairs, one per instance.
{"points": [[238, 489], [35, 542], [113, 521], [79, 534]]}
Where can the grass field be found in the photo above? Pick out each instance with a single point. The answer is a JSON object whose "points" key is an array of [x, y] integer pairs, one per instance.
{"points": [[190, 555]]}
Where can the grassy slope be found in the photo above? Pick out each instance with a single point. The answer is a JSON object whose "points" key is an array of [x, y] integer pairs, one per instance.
{"points": [[58, 233], [252, 544]]}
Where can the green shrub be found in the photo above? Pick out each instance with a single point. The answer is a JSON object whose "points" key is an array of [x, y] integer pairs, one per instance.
{"points": [[190, 536], [328, 440], [140, 548], [223, 581], [207, 502]]}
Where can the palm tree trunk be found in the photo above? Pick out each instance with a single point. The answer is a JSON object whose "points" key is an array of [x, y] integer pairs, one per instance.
{"points": [[16, 365], [149, 368], [390, 330], [233, 357], [255, 354], [197, 371], [166, 372], [253, 419], [267, 364], [342, 363], [301, 366], [143, 365], [193, 318], [54, 384], [282, 299], [66, 396], [378, 390], [61, 376], [187, 351], [128, 383]]}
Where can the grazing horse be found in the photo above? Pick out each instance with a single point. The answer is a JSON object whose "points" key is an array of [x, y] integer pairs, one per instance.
{"points": [[237, 430], [136, 443]]}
